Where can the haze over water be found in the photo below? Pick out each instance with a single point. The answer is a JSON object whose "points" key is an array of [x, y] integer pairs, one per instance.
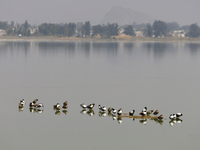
{"points": [[163, 76]]}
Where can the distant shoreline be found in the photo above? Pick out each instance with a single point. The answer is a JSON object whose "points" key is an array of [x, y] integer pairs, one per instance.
{"points": [[112, 39]]}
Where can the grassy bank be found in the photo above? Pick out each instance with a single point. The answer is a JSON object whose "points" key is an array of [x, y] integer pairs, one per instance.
{"points": [[112, 39]]}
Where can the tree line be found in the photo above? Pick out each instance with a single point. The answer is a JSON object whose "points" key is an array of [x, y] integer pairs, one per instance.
{"points": [[158, 29]]}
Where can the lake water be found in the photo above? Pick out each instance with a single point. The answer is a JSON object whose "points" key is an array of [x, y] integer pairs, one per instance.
{"points": [[163, 76]]}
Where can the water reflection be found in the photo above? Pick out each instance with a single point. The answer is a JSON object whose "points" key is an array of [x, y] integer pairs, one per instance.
{"points": [[172, 122], [102, 114], [36, 110], [90, 112], [65, 112], [194, 48]]}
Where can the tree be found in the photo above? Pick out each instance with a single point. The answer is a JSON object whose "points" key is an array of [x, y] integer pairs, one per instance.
{"points": [[159, 28], [171, 26], [194, 30], [129, 31], [87, 27], [149, 30]]}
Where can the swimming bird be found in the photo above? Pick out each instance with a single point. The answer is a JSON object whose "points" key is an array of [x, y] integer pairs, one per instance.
{"points": [[114, 111], [83, 106], [32, 104], [65, 107], [156, 112], [179, 115], [21, 105], [119, 112], [22, 102], [57, 106], [149, 112], [110, 109], [102, 108], [160, 117], [131, 112], [65, 103], [144, 109], [143, 113], [90, 106], [39, 105], [35, 101], [172, 116]]}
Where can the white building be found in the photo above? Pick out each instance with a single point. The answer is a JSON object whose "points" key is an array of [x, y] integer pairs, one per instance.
{"points": [[2, 32], [178, 33]]}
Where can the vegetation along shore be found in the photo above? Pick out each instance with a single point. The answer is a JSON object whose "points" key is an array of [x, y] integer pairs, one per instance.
{"points": [[159, 31]]}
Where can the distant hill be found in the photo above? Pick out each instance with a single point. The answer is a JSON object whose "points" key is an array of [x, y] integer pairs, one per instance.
{"points": [[125, 16]]}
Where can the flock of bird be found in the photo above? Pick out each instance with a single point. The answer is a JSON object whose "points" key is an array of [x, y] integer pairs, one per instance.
{"points": [[102, 109]]}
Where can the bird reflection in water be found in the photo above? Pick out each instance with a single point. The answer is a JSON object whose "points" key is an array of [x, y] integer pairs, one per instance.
{"points": [[174, 121], [114, 117], [102, 114], [160, 121], [119, 119], [36, 110], [57, 112], [143, 121], [21, 109], [90, 112], [83, 111], [65, 112]]}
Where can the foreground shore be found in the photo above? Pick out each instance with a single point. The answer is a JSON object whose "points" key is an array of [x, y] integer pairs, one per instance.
{"points": [[112, 39]]}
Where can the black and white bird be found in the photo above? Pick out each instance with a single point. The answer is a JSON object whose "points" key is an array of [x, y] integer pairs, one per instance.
{"points": [[178, 115], [32, 104], [119, 112], [102, 108], [131, 112], [22, 102], [90, 106], [143, 113], [83, 106], [144, 109], [39, 105], [114, 111], [172, 116]]}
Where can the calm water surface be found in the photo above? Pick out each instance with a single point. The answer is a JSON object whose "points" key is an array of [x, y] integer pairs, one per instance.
{"points": [[163, 76]]}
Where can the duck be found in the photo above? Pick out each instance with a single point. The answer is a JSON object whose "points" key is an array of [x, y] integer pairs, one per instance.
{"points": [[178, 115], [143, 113], [110, 109], [172, 116], [160, 117], [83, 106], [131, 112], [114, 111], [57, 106], [32, 104], [156, 112], [65, 103], [21, 105], [65, 107], [144, 109], [102, 108], [35, 101], [39, 105], [22, 102], [90, 106], [149, 112], [119, 112]]}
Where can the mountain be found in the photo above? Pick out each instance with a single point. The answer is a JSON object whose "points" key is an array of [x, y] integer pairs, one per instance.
{"points": [[125, 16]]}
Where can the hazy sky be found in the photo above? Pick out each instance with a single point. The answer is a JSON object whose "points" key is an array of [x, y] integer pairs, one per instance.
{"points": [[185, 12]]}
